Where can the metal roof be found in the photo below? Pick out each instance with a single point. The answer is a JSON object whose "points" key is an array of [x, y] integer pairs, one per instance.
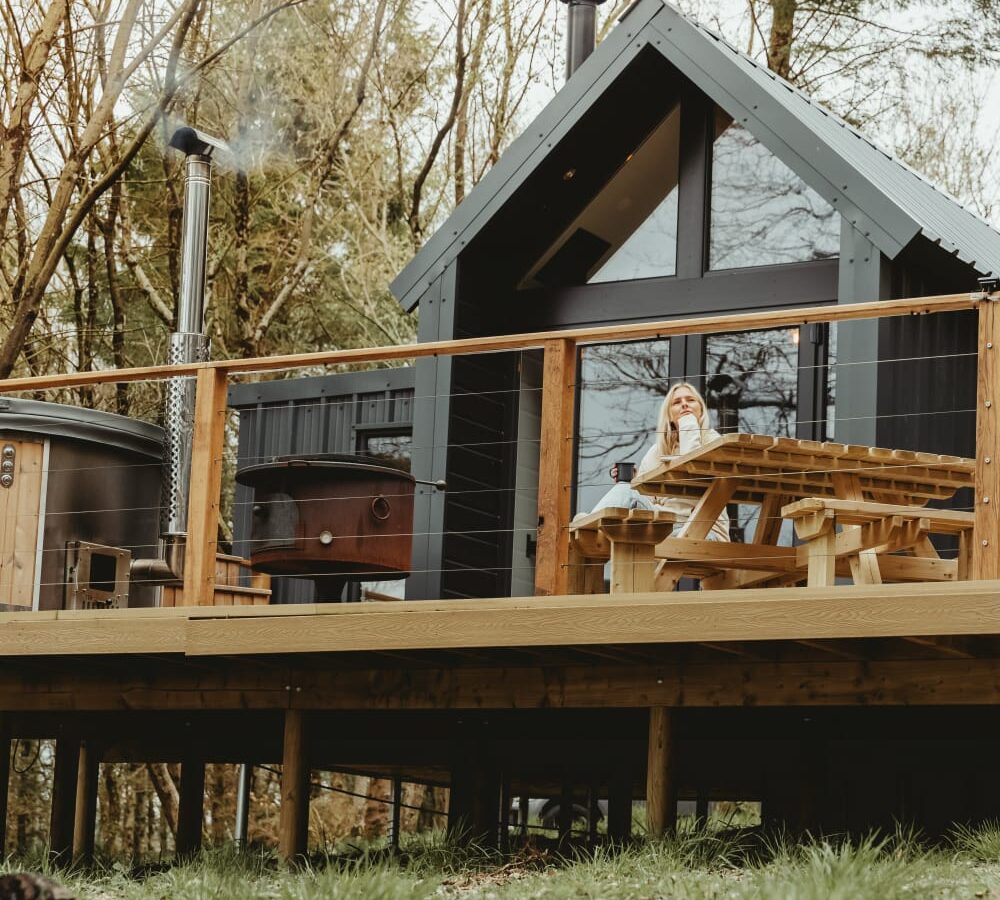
{"points": [[885, 199]]}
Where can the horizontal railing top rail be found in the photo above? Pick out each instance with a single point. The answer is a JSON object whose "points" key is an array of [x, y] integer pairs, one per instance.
{"points": [[784, 318]]}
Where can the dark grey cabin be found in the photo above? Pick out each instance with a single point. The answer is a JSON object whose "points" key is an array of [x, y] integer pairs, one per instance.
{"points": [[673, 176]]}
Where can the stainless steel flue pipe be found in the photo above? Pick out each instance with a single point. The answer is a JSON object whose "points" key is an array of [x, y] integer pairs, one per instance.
{"points": [[188, 344], [581, 32]]}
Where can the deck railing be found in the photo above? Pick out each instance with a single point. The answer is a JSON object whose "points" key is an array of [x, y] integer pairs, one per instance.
{"points": [[557, 418]]}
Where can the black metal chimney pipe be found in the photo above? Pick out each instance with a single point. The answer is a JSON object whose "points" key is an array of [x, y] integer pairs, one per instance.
{"points": [[581, 32]]}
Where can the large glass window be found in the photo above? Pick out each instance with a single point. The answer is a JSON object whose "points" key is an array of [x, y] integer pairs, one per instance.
{"points": [[629, 230], [750, 386], [621, 389], [762, 213]]}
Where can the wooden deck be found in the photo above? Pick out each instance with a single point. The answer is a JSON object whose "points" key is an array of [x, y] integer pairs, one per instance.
{"points": [[965, 608], [546, 691]]}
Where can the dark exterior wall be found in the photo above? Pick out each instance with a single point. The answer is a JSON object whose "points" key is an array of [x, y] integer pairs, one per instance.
{"points": [[927, 400], [327, 414]]}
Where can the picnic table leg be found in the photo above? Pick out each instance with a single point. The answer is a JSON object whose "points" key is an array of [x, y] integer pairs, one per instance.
{"points": [[820, 534], [769, 520], [586, 574], [965, 545], [699, 524], [864, 565], [632, 567]]}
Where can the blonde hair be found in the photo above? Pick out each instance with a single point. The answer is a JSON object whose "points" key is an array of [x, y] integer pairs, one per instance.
{"points": [[667, 439]]}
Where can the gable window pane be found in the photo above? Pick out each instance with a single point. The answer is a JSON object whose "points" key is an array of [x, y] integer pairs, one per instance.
{"points": [[762, 213], [628, 230], [621, 389]]}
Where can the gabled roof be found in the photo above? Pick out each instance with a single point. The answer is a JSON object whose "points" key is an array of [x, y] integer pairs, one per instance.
{"points": [[885, 199]]}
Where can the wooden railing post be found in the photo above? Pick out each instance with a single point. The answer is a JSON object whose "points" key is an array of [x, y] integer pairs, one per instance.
{"points": [[555, 467], [206, 486], [986, 547]]}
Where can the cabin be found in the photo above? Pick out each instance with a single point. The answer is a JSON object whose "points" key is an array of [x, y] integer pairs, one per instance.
{"points": [[676, 213]]}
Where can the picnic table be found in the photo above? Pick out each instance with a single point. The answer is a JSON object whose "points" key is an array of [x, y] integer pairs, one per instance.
{"points": [[858, 511]]}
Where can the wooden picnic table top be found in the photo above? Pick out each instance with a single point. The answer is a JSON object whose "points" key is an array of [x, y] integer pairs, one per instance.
{"points": [[794, 468]]}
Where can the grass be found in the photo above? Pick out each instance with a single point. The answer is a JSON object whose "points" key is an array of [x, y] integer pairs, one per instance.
{"points": [[697, 863]]}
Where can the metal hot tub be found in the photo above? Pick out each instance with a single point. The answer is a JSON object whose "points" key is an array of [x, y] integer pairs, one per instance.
{"points": [[332, 518]]}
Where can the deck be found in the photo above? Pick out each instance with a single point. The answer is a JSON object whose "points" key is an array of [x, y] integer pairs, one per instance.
{"points": [[585, 683]]}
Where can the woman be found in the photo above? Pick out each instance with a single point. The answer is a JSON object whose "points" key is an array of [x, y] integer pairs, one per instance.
{"points": [[682, 426]]}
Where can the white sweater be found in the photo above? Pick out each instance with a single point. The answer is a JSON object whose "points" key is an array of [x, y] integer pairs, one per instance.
{"points": [[690, 436]]}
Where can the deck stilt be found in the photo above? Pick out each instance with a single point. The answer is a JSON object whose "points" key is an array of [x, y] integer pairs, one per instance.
{"points": [[661, 775], [191, 809], [4, 778], [293, 834], [85, 824], [620, 804], [64, 796]]}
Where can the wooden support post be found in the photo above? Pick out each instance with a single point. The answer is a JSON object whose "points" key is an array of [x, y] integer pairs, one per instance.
{"points": [[661, 775], [593, 811], [191, 808], [64, 797], [397, 808], [460, 797], [85, 824], [620, 804], [986, 548], [206, 485], [505, 804], [565, 813], [293, 831], [4, 780], [701, 807], [523, 804], [555, 467]]}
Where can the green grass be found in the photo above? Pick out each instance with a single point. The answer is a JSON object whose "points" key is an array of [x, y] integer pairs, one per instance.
{"points": [[697, 863]]}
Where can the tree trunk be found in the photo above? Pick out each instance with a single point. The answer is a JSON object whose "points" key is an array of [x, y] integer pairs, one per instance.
{"points": [[779, 47]]}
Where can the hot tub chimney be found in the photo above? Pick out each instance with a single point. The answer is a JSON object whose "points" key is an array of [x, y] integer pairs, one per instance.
{"points": [[188, 344], [581, 32]]}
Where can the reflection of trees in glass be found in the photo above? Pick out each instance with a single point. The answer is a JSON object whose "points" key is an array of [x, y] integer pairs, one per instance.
{"points": [[750, 386], [762, 213], [621, 389], [751, 381]]}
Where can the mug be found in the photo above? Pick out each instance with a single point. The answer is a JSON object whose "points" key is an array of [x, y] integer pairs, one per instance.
{"points": [[626, 471]]}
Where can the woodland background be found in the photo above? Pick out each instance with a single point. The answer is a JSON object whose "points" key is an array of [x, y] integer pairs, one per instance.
{"points": [[357, 127]]}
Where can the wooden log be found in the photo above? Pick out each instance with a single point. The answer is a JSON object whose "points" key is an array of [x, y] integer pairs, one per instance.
{"points": [[191, 808], [85, 824], [661, 775], [206, 485], [293, 828], [64, 782], [986, 549], [555, 468]]}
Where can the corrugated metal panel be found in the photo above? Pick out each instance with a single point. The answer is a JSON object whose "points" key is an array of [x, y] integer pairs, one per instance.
{"points": [[312, 415]]}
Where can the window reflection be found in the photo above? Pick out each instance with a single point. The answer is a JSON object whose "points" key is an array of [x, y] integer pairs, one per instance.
{"points": [[750, 386], [762, 213], [621, 389]]}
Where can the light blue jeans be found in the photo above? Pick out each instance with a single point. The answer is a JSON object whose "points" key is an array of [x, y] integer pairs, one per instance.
{"points": [[624, 496]]}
